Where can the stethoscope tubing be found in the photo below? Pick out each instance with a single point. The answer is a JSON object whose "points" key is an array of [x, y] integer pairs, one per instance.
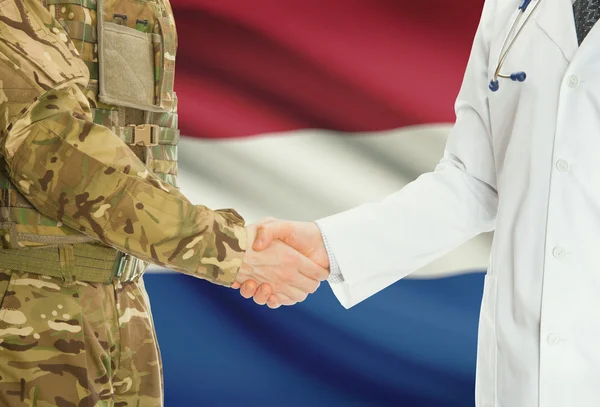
{"points": [[507, 45]]}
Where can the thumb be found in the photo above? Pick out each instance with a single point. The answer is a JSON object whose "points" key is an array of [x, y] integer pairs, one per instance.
{"points": [[262, 243], [266, 233], [264, 238]]}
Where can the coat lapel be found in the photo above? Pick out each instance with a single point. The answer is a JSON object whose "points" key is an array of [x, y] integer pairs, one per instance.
{"points": [[555, 18]]}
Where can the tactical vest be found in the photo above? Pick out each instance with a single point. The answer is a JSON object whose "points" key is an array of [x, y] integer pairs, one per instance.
{"points": [[129, 48]]}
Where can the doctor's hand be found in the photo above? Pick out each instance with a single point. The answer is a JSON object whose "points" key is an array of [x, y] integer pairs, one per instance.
{"points": [[304, 237], [287, 273]]}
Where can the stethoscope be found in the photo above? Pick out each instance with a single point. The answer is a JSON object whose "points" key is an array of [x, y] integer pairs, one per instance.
{"points": [[507, 45]]}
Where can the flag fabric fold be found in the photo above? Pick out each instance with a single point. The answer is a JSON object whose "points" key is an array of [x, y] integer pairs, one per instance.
{"points": [[298, 109]]}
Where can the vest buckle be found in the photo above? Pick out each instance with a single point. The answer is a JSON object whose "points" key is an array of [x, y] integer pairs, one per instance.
{"points": [[144, 134], [126, 268]]}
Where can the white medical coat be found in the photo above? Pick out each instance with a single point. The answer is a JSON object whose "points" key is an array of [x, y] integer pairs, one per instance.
{"points": [[525, 162]]}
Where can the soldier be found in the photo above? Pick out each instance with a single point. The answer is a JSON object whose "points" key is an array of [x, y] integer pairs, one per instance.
{"points": [[88, 197]]}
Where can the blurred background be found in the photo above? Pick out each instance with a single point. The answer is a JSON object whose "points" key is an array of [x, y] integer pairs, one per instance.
{"points": [[299, 109]]}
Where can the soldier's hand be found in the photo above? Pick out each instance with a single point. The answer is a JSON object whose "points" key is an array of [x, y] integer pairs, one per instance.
{"points": [[290, 276]]}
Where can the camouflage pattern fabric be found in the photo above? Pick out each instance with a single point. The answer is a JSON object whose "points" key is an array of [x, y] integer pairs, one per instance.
{"points": [[69, 178], [76, 345], [80, 174]]}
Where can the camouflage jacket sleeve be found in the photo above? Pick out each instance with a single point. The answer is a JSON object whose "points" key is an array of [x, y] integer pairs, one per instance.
{"points": [[82, 174]]}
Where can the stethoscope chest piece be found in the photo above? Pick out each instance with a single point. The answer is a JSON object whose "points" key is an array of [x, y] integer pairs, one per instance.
{"points": [[507, 44]]}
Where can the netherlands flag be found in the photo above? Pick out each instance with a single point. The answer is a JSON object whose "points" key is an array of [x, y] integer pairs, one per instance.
{"points": [[299, 109]]}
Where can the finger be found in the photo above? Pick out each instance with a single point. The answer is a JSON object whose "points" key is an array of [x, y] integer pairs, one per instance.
{"points": [[294, 294], [305, 284], [273, 302], [283, 299], [248, 288], [312, 270], [316, 288], [236, 285], [265, 234], [262, 294]]}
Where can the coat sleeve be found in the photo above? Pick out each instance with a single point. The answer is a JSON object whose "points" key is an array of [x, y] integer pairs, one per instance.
{"points": [[82, 174], [377, 244]]}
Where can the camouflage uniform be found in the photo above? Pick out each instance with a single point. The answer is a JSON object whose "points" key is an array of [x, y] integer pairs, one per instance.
{"points": [[88, 197]]}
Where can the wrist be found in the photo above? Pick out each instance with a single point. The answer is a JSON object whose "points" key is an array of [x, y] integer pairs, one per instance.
{"points": [[244, 270], [327, 251]]}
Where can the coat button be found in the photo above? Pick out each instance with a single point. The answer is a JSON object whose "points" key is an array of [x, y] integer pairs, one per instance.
{"points": [[559, 252], [573, 81], [553, 339], [562, 165]]}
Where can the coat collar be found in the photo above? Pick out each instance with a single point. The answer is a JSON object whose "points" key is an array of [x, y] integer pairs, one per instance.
{"points": [[555, 18]]}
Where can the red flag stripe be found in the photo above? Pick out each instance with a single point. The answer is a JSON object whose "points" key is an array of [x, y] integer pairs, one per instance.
{"points": [[250, 67]]}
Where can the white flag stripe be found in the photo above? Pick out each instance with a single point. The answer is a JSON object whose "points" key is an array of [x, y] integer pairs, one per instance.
{"points": [[309, 174]]}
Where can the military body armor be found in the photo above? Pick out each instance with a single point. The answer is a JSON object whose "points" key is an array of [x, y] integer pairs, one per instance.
{"points": [[129, 48]]}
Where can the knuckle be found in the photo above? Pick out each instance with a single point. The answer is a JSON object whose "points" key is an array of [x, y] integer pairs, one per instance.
{"points": [[248, 293], [283, 300], [289, 296]]}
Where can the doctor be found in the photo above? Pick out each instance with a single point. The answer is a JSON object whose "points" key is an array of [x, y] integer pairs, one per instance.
{"points": [[523, 159]]}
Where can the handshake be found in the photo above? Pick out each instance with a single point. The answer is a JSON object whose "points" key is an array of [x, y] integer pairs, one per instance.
{"points": [[284, 262]]}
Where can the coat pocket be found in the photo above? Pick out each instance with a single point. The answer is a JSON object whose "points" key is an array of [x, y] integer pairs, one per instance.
{"points": [[485, 382]]}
